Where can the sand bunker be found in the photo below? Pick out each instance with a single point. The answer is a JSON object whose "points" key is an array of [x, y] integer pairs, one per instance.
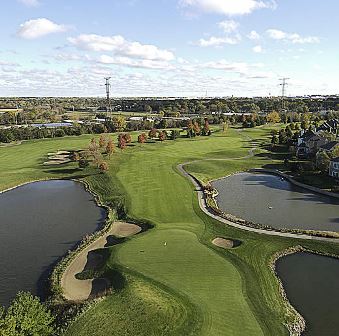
{"points": [[226, 243], [125, 229], [80, 290], [58, 158]]}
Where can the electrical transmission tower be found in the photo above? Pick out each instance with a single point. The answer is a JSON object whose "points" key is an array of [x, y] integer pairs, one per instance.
{"points": [[283, 85], [108, 89]]}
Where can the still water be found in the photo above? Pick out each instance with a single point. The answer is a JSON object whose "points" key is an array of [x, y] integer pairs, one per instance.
{"points": [[39, 223], [312, 286], [271, 200]]}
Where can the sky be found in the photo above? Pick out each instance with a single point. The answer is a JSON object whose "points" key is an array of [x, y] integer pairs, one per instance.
{"points": [[177, 48]]}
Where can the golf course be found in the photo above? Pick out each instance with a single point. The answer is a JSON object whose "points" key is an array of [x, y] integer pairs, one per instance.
{"points": [[171, 279]]}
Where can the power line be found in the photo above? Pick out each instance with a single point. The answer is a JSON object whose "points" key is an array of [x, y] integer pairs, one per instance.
{"points": [[283, 85], [108, 89]]}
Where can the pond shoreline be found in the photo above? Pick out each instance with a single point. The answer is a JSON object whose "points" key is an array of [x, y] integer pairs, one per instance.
{"points": [[210, 197], [294, 182]]}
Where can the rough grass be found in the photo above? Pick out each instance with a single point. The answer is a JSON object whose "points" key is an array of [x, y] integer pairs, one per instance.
{"points": [[139, 309]]}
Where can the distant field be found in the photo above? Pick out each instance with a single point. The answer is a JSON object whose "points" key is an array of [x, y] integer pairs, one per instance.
{"points": [[81, 115], [10, 110], [186, 286]]}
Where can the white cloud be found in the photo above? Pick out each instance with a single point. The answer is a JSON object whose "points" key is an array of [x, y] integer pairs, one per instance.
{"points": [[228, 26], [258, 49], [227, 7], [30, 3], [253, 35], [295, 38], [232, 37], [214, 41], [133, 63], [237, 67], [33, 29], [120, 46]]}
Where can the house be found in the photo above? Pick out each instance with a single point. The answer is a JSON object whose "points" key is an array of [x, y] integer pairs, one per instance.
{"points": [[334, 168], [309, 143], [329, 147], [330, 126]]}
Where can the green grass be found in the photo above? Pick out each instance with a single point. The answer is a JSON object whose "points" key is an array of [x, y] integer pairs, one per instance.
{"points": [[228, 292], [142, 308]]}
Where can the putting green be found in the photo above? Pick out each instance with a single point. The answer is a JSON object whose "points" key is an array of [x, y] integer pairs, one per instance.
{"points": [[192, 269]]}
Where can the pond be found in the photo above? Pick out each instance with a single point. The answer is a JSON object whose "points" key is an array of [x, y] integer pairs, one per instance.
{"points": [[271, 200], [39, 223], [312, 286]]}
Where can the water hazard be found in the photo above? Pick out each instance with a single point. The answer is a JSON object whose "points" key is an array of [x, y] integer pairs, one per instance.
{"points": [[271, 200], [39, 223], [312, 286]]}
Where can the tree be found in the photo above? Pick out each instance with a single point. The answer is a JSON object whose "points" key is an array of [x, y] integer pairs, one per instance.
{"points": [[127, 138], [152, 133], [190, 129], [103, 166], [110, 148], [83, 163], [275, 140], [196, 128], [26, 316], [119, 124], [75, 156], [102, 141], [206, 129], [224, 126], [93, 146], [162, 135], [148, 109], [322, 161], [273, 117], [121, 142], [142, 138]]}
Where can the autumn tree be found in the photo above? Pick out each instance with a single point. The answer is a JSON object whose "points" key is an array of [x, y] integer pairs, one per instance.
{"points": [[152, 133], [162, 136], [273, 117], [206, 129], [102, 141], [196, 128], [119, 123], [142, 138], [110, 148], [103, 166], [127, 138], [93, 146], [121, 142]]}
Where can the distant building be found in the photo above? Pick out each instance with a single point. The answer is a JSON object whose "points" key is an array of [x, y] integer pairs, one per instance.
{"points": [[309, 143], [329, 147], [334, 168]]}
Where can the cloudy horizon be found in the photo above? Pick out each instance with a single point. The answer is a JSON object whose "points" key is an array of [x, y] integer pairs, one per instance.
{"points": [[177, 48]]}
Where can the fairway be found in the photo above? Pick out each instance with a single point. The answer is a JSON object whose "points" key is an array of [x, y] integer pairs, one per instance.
{"points": [[199, 288]]}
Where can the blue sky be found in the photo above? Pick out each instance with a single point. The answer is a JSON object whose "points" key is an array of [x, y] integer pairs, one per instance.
{"points": [[168, 47]]}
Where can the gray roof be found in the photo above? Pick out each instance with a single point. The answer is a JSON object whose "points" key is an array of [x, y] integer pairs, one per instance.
{"points": [[330, 145]]}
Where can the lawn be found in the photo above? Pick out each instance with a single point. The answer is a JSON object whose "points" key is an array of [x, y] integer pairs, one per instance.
{"points": [[223, 292]]}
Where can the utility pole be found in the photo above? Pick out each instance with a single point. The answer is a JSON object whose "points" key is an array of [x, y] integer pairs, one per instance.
{"points": [[108, 102], [283, 85]]}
